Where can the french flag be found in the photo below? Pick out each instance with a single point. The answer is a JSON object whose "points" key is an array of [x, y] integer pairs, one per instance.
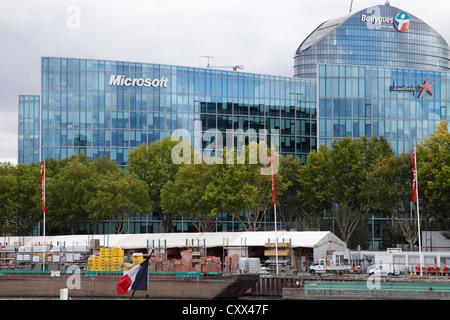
{"points": [[135, 279]]}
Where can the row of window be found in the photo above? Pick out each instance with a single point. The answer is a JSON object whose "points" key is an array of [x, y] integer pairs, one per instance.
{"points": [[383, 108], [141, 120], [395, 129], [122, 67], [27, 156], [188, 84], [379, 88], [377, 72], [29, 141], [125, 137], [156, 102], [297, 146], [173, 121]]}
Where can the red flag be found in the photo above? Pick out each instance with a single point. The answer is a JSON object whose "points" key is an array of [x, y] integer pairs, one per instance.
{"points": [[414, 175], [273, 178], [43, 185]]}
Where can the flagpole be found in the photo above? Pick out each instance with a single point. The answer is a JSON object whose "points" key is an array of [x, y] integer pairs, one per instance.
{"points": [[276, 236], [418, 212], [43, 210], [272, 160]]}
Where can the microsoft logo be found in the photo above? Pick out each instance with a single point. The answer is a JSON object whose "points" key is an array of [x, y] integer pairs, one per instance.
{"points": [[119, 80]]}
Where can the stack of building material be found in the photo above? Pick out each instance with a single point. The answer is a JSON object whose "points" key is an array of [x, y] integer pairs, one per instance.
{"points": [[209, 264], [137, 258], [93, 263], [188, 262], [159, 262], [34, 254], [231, 263], [250, 265], [110, 259], [186, 259], [284, 249]]}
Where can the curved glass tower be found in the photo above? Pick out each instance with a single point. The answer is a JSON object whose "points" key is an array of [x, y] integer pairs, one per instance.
{"points": [[377, 36]]}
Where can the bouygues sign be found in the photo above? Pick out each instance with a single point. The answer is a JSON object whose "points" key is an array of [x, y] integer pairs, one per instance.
{"points": [[422, 88], [375, 20]]}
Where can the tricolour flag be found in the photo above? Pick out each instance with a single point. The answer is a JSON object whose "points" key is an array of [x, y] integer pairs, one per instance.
{"points": [[273, 178], [43, 185], [414, 162], [135, 279]]}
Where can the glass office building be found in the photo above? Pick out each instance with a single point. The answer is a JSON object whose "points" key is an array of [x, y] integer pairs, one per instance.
{"points": [[378, 71], [107, 108]]}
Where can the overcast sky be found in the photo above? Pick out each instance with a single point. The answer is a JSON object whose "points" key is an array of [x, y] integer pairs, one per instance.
{"points": [[262, 35]]}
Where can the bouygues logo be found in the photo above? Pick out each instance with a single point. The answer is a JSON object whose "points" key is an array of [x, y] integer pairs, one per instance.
{"points": [[401, 21]]}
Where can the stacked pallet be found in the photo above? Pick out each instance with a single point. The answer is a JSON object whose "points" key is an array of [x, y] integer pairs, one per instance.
{"points": [[158, 262], [110, 259], [231, 263], [284, 254], [209, 264], [284, 249], [190, 261]]}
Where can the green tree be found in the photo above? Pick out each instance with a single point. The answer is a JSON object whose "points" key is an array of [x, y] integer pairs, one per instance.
{"points": [[334, 178], [388, 189], [6, 184], [290, 208], [244, 190], [20, 201], [189, 195], [118, 196], [433, 166], [69, 192], [154, 165]]}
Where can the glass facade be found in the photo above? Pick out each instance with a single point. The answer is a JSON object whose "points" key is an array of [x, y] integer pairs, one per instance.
{"points": [[367, 101], [372, 37], [85, 111], [29, 124]]}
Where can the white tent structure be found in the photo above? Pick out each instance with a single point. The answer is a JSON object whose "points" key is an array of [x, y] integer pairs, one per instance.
{"points": [[323, 243]]}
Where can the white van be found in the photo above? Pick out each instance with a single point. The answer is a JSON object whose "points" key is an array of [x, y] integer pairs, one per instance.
{"points": [[384, 270]]}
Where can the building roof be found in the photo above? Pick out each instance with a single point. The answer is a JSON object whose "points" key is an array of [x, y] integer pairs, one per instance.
{"points": [[329, 26], [304, 239], [321, 31]]}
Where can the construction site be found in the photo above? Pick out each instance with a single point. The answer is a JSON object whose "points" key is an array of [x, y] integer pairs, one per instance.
{"points": [[174, 252]]}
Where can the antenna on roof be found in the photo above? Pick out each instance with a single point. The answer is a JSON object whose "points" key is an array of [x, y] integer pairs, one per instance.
{"points": [[351, 5], [235, 68], [207, 57], [387, 3]]}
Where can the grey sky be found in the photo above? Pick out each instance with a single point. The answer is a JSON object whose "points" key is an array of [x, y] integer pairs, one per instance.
{"points": [[262, 35]]}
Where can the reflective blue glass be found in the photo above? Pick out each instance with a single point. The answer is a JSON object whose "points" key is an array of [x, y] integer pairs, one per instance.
{"points": [[29, 127], [372, 37], [389, 103]]}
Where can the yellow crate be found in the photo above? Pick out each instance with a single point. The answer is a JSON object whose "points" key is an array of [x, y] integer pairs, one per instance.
{"points": [[137, 260], [104, 252], [116, 252]]}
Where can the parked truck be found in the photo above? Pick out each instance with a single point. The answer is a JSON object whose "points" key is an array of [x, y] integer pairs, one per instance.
{"points": [[321, 266], [385, 269]]}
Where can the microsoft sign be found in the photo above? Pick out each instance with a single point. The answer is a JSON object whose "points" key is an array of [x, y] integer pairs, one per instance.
{"points": [[119, 80]]}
